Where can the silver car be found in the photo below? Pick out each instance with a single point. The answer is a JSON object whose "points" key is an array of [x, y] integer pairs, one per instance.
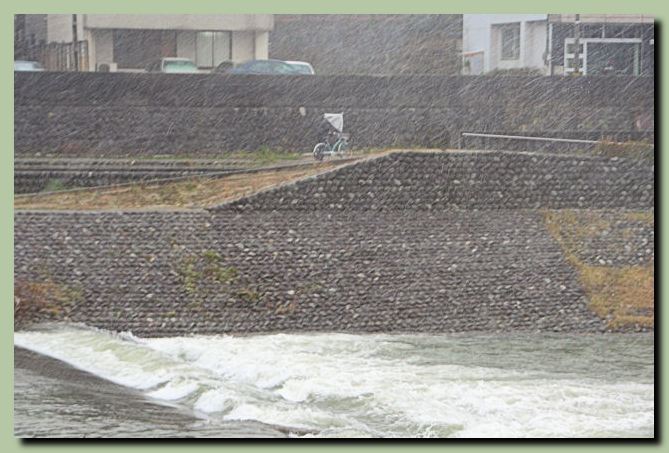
{"points": [[24, 65], [302, 67], [173, 65]]}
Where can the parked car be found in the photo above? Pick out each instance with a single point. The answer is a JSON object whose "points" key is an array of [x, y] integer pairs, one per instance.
{"points": [[173, 66], [276, 67], [302, 67], [24, 65]]}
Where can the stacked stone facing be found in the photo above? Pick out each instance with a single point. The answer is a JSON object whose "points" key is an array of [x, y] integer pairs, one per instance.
{"points": [[372, 272], [467, 180], [289, 259]]}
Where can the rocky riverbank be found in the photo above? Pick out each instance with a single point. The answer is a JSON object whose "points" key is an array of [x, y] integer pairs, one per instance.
{"points": [[427, 255]]}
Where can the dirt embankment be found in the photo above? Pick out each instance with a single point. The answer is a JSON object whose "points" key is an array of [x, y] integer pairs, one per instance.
{"points": [[193, 193]]}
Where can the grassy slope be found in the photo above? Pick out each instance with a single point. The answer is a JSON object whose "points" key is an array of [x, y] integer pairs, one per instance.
{"points": [[196, 192], [623, 295]]}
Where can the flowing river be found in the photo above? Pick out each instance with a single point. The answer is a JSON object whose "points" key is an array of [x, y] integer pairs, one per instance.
{"points": [[333, 385]]}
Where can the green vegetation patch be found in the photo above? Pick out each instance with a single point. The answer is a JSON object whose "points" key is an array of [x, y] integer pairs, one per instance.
{"points": [[631, 150], [55, 185], [248, 295], [203, 270], [34, 300]]}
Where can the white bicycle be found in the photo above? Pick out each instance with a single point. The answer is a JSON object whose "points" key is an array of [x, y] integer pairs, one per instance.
{"points": [[339, 146]]}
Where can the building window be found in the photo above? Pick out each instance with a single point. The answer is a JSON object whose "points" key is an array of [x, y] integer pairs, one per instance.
{"points": [[613, 58], [212, 48], [605, 56], [510, 35]]}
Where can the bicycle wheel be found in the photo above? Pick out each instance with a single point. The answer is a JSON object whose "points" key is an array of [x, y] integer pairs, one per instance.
{"points": [[319, 151], [342, 147]]}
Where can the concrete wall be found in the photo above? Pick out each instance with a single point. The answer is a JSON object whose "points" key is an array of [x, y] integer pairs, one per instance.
{"points": [[207, 22], [481, 33], [59, 27], [536, 42], [605, 18], [126, 114], [101, 48], [243, 46], [531, 52], [269, 268], [261, 45]]}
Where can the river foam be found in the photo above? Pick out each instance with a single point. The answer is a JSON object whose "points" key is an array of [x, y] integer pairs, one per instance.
{"points": [[384, 385]]}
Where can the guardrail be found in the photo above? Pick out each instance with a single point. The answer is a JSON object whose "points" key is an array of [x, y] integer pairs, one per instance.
{"points": [[485, 136]]}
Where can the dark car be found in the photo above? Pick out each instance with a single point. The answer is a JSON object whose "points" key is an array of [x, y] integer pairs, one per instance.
{"points": [[224, 67], [275, 67]]}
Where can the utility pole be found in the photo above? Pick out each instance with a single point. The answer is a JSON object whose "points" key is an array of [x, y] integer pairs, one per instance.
{"points": [[577, 45], [75, 40]]}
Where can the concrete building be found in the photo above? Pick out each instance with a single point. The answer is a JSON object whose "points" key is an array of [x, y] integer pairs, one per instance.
{"points": [[609, 44], [131, 41], [503, 41]]}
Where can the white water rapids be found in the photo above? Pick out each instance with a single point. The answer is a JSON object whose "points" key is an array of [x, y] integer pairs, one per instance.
{"points": [[341, 385]]}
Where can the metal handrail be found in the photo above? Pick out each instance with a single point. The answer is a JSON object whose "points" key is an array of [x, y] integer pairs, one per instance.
{"points": [[545, 139]]}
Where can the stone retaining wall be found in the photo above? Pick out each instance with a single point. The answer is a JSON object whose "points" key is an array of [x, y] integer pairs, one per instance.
{"points": [[467, 180], [159, 274], [127, 114], [612, 239], [31, 181], [34, 175], [307, 266]]}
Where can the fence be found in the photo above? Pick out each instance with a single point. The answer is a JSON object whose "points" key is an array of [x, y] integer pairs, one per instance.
{"points": [[60, 56]]}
